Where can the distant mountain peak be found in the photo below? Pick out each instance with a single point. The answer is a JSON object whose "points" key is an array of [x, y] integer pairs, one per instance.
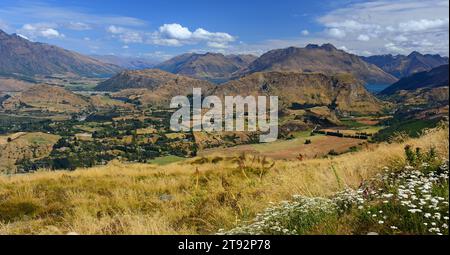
{"points": [[211, 66], [21, 56], [328, 46], [415, 54], [325, 59], [325, 46], [403, 66], [436, 77], [312, 46]]}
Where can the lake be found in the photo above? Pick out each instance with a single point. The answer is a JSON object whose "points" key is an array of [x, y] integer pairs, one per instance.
{"points": [[376, 88]]}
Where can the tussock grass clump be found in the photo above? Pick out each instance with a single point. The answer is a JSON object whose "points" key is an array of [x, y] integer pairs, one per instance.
{"points": [[410, 200], [188, 197]]}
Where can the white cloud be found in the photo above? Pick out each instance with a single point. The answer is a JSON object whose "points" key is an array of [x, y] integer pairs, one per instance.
{"points": [[172, 35], [399, 26], [394, 48], [336, 33], [177, 35], [79, 26], [24, 37], [219, 37], [126, 35], [174, 31], [423, 25], [3, 25], [40, 30], [364, 38], [217, 45], [50, 33], [305, 32]]}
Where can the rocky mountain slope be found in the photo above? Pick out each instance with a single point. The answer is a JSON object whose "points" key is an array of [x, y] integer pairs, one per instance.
{"points": [[20, 56], [434, 78], [214, 67], [341, 92], [313, 58], [429, 88], [402, 66]]}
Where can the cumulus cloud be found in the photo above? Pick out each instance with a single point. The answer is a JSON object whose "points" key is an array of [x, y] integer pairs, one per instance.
{"points": [[177, 35], [48, 31], [390, 27], [172, 35], [174, 31], [305, 32]]}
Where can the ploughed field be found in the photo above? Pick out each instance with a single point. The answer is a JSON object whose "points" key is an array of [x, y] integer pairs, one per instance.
{"points": [[296, 148]]}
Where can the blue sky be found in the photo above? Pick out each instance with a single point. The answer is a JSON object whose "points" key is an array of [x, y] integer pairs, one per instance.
{"points": [[161, 29]]}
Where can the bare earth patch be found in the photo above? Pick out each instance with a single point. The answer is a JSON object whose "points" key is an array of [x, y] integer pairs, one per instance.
{"points": [[320, 146]]}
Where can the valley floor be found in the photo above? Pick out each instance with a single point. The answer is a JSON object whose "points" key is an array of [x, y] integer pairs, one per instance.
{"points": [[197, 196]]}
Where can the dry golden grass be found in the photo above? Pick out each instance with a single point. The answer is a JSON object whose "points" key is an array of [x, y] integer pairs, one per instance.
{"points": [[191, 197]]}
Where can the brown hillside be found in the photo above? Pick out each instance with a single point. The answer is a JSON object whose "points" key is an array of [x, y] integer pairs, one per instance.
{"points": [[313, 58], [342, 92]]}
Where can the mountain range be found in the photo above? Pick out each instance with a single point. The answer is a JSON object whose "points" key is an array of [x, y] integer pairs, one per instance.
{"points": [[402, 66], [437, 77], [428, 88], [214, 67], [130, 63], [341, 92], [152, 85], [21, 56], [325, 59]]}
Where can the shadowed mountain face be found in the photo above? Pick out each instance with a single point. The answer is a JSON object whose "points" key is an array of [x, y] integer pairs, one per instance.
{"points": [[434, 78], [20, 56], [402, 66], [341, 92], [214, 67], [324, 59], [427, 89]]}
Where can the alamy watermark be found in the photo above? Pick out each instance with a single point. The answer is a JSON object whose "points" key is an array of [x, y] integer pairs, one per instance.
{"points": [[230, 116]]}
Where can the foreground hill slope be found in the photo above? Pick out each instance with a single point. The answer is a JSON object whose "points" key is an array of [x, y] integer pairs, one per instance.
{"points": [[313, 58], [20, 56], [342, 92], [402, 66], [188, 197], [214, 67]]}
